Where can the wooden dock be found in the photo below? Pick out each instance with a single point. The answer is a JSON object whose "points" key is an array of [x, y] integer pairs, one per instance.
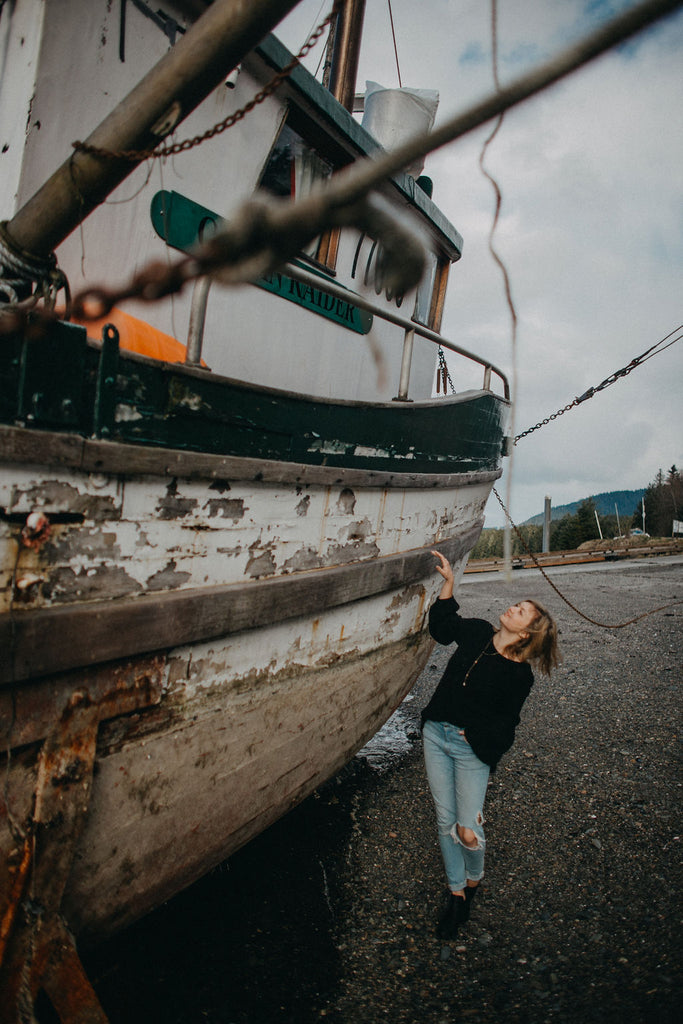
{"points": [[573, 557]]}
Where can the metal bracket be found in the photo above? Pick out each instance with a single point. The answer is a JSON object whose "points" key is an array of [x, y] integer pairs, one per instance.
{"points": [[105, 393]]}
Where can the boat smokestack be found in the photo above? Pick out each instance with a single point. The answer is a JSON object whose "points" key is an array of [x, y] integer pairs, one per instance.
{"points": [[348, 29]]}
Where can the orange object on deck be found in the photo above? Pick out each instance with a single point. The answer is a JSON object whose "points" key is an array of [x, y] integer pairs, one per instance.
{"points": [[137, 336]]}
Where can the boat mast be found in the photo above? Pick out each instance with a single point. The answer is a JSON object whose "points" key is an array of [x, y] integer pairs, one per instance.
{"points": [[198, 62], [348, 31]]}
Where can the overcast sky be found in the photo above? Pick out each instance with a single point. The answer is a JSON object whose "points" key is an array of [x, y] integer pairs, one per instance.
{"points": [[591, 228]]}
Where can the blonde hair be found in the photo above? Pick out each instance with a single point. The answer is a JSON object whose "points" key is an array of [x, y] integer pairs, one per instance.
{"points": [[540, 647]]}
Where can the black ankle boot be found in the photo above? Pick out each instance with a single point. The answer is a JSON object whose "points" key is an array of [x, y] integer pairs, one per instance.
{"points": [[454, 914], [470, 893]]}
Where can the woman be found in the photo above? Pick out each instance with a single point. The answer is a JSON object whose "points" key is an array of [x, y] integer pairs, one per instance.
{"points": [[470, 722]]}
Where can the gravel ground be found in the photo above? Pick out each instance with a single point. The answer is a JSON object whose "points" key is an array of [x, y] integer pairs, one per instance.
{"points": [[330, 914]]}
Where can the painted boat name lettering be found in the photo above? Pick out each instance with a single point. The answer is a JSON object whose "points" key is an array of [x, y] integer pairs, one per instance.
{"points": [[317, 300]]}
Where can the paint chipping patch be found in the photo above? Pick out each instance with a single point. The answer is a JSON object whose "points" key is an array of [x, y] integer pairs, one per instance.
{"points": [[346, 502], [225, 508], [261, 562], [305, 558], [303, 506], [101, 582], [168, 578], [172, 506], [342, 554]]}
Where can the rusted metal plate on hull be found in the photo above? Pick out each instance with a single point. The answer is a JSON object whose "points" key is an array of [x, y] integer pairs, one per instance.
{"points": [[28, 713], [39, 833]]}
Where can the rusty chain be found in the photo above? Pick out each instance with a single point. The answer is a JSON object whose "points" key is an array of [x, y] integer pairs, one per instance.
{"points": [[136, 155], [443, 375]]}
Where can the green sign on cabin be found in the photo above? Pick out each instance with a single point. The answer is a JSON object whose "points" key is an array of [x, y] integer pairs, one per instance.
{"points": [[183, 223]]}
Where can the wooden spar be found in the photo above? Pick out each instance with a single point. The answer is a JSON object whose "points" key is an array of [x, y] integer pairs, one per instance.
{"points": [[198, 62], [347, 39]]}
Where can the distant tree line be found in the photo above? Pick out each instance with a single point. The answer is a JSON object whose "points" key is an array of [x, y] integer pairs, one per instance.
{"points": [[663, 503]]}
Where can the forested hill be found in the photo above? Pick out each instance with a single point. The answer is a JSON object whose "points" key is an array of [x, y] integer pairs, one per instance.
{"points": [[626, 501]]}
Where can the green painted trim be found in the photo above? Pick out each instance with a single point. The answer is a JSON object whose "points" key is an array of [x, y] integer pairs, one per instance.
{"points": [[182, 223], [170, 406], [277, 56]]}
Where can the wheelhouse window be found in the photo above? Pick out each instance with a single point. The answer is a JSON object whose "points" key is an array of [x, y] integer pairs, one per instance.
{"points": [[293, 168]]}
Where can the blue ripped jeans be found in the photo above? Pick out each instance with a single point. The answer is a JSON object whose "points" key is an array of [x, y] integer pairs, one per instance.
{"points": [[458, 781]]}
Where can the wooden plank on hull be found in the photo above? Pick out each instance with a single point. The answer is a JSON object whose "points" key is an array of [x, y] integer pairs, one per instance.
{"points": [[48, 448], [52, 640]]}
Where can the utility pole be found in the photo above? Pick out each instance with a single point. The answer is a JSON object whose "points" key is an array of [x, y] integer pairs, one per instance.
{"points": [[546, 525]]}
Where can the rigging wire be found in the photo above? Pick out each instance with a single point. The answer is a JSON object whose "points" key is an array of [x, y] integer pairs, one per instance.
{"points": [[649, 353], [393, 34], [507, 542]]}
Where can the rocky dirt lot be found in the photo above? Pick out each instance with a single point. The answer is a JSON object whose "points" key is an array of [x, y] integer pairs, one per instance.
{"points": [[329, 916]]}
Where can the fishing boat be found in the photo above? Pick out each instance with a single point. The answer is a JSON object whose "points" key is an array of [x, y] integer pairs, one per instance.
{"points": [[217, 510]]}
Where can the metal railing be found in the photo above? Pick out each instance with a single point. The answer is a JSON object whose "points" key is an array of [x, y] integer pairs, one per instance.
{"points": [[200, 296]]}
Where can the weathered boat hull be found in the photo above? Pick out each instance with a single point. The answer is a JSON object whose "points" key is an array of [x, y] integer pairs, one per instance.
{"points": [[168, 808], [270, 657]]}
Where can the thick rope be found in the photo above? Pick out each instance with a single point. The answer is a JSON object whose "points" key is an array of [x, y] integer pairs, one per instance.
{"points": [[20, 270]]}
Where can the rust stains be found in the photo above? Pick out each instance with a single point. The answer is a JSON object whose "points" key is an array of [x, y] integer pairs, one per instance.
{"points": [[27, 587], [36, 530]]}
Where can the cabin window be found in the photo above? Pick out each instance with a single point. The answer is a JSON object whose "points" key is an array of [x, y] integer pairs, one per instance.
{"points": [[293, 168]]}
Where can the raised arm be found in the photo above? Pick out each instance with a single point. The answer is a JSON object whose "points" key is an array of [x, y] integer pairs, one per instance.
{"points": [[444, 569]]}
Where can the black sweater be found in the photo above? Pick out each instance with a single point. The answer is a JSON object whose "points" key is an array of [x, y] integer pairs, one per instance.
{"points": [[487, 702]]}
